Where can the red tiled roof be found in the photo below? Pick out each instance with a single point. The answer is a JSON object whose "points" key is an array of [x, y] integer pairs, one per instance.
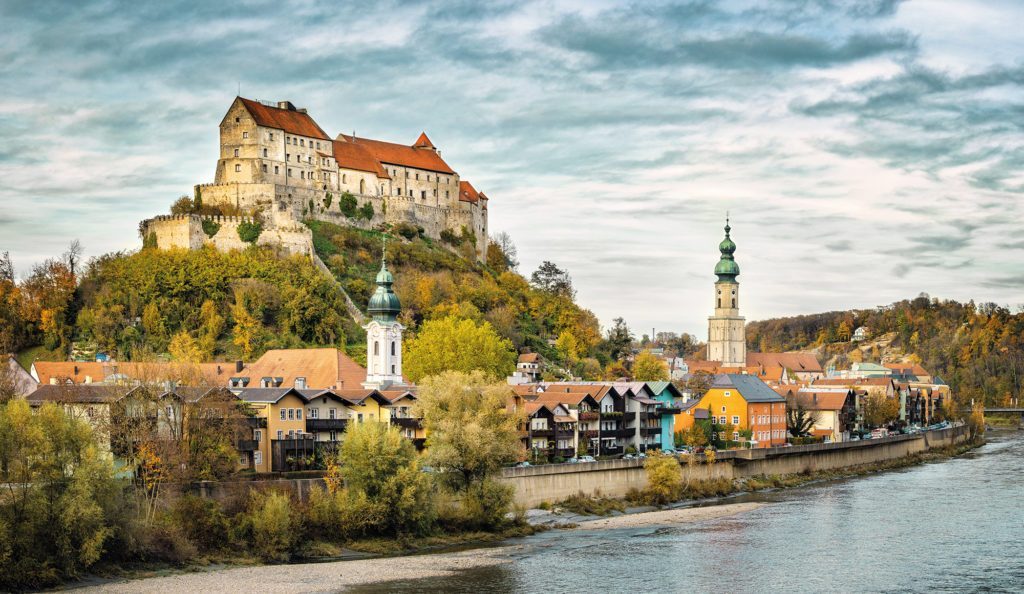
{"points": [[400, 154], [467, 193], [793, 361], [852, 381], [529, 358], [423, 141], [824, 401], [293, 122], [353, 155]]}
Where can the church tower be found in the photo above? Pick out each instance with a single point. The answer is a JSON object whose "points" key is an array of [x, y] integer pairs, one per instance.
{"points": [[384, 334], [726, 336]]}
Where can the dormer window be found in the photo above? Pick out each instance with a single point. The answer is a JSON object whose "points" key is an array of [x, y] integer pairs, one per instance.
{"points": [[300, 383]]}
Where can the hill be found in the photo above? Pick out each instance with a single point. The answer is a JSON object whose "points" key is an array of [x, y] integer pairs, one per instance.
{"points": [[977, 349], [204, 304]]}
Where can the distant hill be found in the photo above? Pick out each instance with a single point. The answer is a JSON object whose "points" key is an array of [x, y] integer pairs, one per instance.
{"points": [[977, 349]]}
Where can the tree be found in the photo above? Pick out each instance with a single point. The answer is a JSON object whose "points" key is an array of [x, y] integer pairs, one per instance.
{"points": [[73, 255], [880, 410], [799, 421], [381, 466], [568, 347], [552, 279], [619, 340], [185, 349], [470, 435], [182, 206], [698, 384], [502, 253], [648, 367], [457, 344], [664, 479]]}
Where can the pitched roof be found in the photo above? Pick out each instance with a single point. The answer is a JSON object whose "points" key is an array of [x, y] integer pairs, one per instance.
{"points": [[63, 371], [821, 400], [353, 155], [323, 368], [852, 381], [423, 141], [467, 193], [85, 394], [529, 358], [288, 120], [400, 154], [907, 368], [268, 395], [793, 361], [750, 387], [695, 366]]}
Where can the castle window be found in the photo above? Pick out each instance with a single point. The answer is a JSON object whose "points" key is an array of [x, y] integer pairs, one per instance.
{"points": [[270, 135], [410, 193], [277, 170], [362, 186], [264, 168], [417, 176], [376, 347], [236, 152], [238, 168], [392, 370], [245, 135], [435, 193], [406, 175], [396, 191], [423, 194], [393, 348], [238, 120], [289, 172], [344, 178], [428, 177], [302, 142], [302, 175], [264, 152], [446, 194], [734, 302], [318, 145]]}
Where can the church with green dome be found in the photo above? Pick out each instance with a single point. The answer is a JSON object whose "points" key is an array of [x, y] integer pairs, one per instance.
{"points": [[726, 328], [384, 333]]}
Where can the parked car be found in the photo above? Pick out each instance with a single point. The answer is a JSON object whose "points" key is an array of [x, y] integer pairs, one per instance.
{"points": [[523, 465], [586, 459], [572, 461], [628, 457]]}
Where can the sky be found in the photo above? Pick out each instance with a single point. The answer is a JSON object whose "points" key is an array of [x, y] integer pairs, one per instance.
{"points": [[866, 151]]}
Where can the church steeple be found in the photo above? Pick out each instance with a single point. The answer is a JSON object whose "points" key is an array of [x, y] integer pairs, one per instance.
{"points": [[383, 332], [727, 269]]}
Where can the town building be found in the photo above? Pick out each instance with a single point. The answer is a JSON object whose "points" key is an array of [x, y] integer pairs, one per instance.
{"points": [[529, 369], [834, 412], [22, 380], [727, 342], [746, 403]]}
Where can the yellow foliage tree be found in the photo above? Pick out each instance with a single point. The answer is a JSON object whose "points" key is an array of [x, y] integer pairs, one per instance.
{"points": [[453, 344], [649, 368], [185, 349]]}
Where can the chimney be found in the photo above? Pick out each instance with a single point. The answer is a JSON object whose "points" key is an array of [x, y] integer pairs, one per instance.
{"points": [[239, 366], [285, 105], [218, 370], [301, 110], [76, 369]]}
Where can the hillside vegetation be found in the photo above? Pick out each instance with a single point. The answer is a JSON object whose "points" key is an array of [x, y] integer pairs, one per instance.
{"points": [[977, 349]]}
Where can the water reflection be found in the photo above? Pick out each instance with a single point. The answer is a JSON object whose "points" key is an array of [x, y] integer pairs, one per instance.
{"points": [[952, 526]]}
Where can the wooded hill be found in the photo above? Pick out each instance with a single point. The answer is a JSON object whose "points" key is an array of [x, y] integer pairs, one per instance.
{"points": [[977, 349], [203, 304]]}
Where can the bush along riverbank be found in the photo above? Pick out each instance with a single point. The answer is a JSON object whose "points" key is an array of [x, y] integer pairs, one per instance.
{"points": [[668, 485]]}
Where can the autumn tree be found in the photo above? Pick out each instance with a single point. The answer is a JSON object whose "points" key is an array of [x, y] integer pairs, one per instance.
{"points": [[471, 435], [880, 410], [453, 344], [619, 340], [664, 479], [799, 421], [552, 279], [648, 367]]}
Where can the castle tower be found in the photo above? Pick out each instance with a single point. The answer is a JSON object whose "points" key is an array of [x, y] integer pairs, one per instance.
{"points": [[726, 336], [383, 334]]}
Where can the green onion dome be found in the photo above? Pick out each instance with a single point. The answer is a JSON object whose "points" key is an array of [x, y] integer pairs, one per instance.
{"points": [[727, 269], [384, 305]]}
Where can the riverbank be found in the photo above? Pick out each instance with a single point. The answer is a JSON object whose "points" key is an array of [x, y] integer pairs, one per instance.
{"points": [[331, 576]]}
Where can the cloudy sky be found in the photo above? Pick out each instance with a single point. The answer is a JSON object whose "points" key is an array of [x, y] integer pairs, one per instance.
{"points": [[867, 151]]}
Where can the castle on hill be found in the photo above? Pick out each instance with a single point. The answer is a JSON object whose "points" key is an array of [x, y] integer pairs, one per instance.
{"points": [[278, 163]]}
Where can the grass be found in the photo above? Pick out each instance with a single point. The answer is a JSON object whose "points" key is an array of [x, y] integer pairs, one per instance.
{"points": [[27, 356], [1003, 421], [592, 505]]}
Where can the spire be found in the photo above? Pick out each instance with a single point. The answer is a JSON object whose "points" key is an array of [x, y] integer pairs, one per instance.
{"points": [[727, 269], [384, 305]]}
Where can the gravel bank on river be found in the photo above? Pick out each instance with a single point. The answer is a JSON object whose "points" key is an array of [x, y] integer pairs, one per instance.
{"points": [[337, 575]]}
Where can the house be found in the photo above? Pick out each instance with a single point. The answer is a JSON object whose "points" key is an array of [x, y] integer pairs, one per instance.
{"points": [[668, 395], [286, 445], [834, 413], [861, 333], [911, 372], [745, 402], [550, 431], [401, 413], [529, 368], [802, 366], [866, 370], [21, 380]]}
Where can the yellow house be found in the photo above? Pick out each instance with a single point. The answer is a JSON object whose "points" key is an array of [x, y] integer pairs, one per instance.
{"points": [[283, 443], [745, 402], [402, 414]]}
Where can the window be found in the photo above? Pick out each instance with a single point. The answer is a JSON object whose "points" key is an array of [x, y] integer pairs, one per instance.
{"points": [[393, 343], [270, 135], [723, 409], [264, 168], [417, 176], [257, 434], [446, 194], [277, 170], [392, 370], [284, 414], [334, 436], [428, 177], [280, 434], [728, 393], [264, 152], [237, 120], [298, 414], [236, 152], [318, 145], [302, 175], [735, 420], [359, 418], [291, 414], [257, 458], [376, 347], [435, 192], [291, 434], [723, 420], [238, 167], [245, 135], [313, 413], [302, 142], [410, 192], [423, 194], [289, 172], [406, 175], [331, 413]]}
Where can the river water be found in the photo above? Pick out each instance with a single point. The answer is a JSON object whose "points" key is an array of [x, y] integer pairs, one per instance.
{"points": [[950, 526]]}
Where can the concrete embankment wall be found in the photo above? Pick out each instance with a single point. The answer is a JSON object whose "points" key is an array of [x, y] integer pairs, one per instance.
{"points": [[615, 478]]}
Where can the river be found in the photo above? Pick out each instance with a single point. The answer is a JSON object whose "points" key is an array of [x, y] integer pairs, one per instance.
{"points": [[950, 526]]}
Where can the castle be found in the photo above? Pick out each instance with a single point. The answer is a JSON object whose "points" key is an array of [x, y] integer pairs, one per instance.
{"points": [[278, 164]]}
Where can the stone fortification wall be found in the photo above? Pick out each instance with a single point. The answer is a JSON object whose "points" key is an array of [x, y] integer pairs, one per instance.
{"points": [[614, 478], [186, 232], [244, 197]]}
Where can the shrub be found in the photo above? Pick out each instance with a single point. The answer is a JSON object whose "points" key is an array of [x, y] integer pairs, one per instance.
{"points": [[595, 505], [366, 212], [327, 200], [165, 540], [406, 230], [664, 479], [249, 232], [448, 237], [348, 204], [182, 206], [149, 241], [210, 227], [486, 503], [270, 518], [203, 522]]}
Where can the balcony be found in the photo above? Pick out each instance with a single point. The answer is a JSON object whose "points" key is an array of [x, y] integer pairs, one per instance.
{"points": [[611, 415], [407, 422], [257, 422], [592, 434], [247, 445], [628, 432], [590, 415], [669, 410], [646, 416], [326, 424], [650, 431], [610, 451], [542, 432]]}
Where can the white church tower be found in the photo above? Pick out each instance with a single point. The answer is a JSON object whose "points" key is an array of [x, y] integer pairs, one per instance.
{"points": [[384, 334], [726, 337]]}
